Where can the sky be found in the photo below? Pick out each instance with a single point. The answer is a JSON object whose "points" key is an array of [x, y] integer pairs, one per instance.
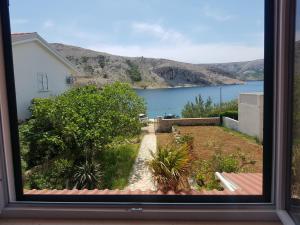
{"points": [[194, 31]]}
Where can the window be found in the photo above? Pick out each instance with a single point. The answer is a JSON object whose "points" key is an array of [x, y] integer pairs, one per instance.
{"points": [[42, 81], [215, 146], [70, 80]]}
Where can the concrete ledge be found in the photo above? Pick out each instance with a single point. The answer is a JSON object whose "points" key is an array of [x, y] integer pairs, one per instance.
{"points": [[231, 123], [165, 125]]}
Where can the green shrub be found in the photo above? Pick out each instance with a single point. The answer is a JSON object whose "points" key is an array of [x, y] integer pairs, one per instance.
{"points": [[186, 139], [205, 176], [225, 163], [220, 162], [133, 71], [170, 167], [55, 174], [77, 126], [231, 114], [87, 175], [201, 108]]}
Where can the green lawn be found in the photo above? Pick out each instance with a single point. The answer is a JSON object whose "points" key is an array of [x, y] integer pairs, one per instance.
{"points": [[117, 163]]}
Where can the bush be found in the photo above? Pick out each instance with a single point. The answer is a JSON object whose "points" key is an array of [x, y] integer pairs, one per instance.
{"points": [[170, 167], [231, 114], [87, 175], [220, 162], [225, 163], [133, 71], [186, 139], [201, 108], [77, 126], [55, 174]]}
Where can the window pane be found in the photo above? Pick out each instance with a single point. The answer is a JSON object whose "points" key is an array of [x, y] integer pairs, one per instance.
{"points": [[151, 97]]}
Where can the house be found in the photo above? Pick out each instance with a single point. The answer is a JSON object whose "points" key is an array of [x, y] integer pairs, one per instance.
{"points": [[39, 70]]}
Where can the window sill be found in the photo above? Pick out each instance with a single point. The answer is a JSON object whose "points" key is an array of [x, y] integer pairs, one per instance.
{"points": [[205, 212]]}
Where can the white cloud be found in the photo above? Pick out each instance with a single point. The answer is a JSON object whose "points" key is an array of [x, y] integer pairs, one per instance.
{"points": [[216, 14], [48, 24], [192, 53], [174, 45], [158, 31], [19, 21]]}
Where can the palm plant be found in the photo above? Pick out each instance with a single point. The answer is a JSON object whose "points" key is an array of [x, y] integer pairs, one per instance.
{"points": [[87, 176], [170, 167]]}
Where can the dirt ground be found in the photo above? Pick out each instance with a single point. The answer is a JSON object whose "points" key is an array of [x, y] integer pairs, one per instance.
{"points": [[209, 139]]}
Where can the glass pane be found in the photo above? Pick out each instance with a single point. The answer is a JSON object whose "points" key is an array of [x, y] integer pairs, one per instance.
{"points": [[140, 97]]}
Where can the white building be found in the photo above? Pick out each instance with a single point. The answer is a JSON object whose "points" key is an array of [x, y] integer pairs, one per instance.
{"points": [[251, 108], [39, 70], [251, 118]]}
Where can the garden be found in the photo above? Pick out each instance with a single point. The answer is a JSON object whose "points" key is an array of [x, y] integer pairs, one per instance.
{"points": [[188, 157], [84, 138]]}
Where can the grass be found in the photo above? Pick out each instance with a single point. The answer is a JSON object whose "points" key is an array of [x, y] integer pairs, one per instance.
{"points": [[208, 140], [241, 135], [117, 163]]}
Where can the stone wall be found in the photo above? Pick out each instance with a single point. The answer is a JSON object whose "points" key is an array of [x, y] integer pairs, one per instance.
{"points": [[231, 123], [165, 125]]}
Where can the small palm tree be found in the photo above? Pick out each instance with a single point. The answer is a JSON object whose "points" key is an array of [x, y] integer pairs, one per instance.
{"points": [[170, 167], [87, 176]]}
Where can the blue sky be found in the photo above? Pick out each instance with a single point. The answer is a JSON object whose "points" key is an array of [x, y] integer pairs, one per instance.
{"points": [[196, 31]]}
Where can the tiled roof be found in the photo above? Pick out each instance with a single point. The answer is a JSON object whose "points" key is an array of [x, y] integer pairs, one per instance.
{"points": [[247, 183]]}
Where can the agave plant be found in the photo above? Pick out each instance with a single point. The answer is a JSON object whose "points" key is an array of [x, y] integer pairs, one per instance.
{"points": [[170, 167], [87, 176]]}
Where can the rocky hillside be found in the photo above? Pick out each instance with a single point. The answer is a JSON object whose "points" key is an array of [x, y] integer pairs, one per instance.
{"points": [[102, 68]]}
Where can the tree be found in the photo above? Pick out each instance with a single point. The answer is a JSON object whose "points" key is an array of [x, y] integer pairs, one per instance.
{"points": [[78, 124], [133, 71], [201, 108]]}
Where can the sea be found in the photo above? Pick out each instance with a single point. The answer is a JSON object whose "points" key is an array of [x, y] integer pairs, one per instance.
{"points": [[172, 100]]}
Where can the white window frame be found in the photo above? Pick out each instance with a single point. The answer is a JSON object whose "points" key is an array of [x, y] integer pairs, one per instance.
{"points": [[42, 82]]}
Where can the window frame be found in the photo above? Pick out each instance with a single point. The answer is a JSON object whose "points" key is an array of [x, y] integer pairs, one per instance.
{"points": [[42, 79], [292, 205], [158, 200]]}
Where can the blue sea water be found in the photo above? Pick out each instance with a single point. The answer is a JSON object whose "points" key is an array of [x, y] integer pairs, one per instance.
{"points": [[172, 100]]}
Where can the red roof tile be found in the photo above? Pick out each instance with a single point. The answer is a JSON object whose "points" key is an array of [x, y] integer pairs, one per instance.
{"points": [[247, 183]]}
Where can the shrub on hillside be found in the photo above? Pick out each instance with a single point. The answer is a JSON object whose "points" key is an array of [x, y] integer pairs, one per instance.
{"points": [[133, 71]]}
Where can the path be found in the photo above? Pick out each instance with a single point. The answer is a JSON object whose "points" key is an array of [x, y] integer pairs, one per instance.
{"points": [[140, 177]]}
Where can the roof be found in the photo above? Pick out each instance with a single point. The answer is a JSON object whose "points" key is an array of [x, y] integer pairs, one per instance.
{"points": [[247, 184], [20, 38]]}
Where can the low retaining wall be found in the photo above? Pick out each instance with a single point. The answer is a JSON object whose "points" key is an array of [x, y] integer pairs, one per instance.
{"points": [[165, 125], [230, 123]]}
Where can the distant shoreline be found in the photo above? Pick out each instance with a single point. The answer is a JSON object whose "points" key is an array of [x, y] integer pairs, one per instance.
{"points": [[191, 86]]}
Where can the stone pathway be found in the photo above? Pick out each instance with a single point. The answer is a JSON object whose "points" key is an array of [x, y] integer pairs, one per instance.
{"points": [[140, 177]]}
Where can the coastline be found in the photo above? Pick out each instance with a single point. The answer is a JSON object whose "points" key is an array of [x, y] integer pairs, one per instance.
{"points": [[191, 86]]}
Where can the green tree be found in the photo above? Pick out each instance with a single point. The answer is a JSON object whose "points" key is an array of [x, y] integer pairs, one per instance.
{"points": [[201, 108], [133, 71], [78, 124]]}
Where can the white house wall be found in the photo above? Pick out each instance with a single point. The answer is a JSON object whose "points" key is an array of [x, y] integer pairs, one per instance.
{"points": [[251, 114], [32, 58]]}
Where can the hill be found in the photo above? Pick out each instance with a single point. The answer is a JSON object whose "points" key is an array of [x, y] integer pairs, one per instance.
{"points": [[101, 68]]}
